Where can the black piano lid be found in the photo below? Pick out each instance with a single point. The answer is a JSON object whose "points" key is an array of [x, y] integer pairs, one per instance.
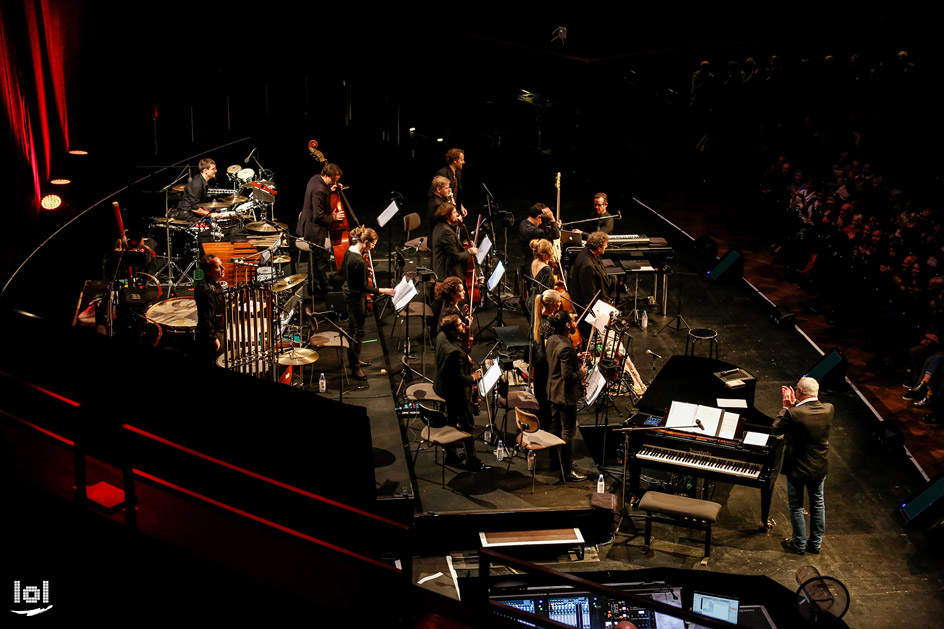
{"points": [[691, 379]]}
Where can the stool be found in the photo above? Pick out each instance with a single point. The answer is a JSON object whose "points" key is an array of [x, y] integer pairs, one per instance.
{"points": [[681, 511], [702, 334]]}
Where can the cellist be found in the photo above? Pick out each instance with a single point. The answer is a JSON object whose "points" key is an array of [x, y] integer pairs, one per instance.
{"points": [[316, 217]]}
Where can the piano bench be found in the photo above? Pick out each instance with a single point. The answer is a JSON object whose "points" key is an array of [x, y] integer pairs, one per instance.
{"points": [[680, 511]]}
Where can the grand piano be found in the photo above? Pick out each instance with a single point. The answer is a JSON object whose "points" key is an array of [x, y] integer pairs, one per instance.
{"points": [[692, 379]]}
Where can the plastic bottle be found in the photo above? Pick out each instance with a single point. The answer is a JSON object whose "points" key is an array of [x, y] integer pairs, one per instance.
{"points": [[644, 322], [500, 451], [322, 383], [530, 460], [601, 485], [487, 435]]}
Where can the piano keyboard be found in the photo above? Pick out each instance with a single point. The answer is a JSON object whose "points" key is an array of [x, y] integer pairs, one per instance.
{"points": [[628, 239], [700, 461]]}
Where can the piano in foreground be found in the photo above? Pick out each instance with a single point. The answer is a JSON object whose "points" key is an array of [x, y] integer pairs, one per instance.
{"points": [[692, 379]]}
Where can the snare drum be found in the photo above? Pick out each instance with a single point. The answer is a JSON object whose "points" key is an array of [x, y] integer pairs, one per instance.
{"points": [[246, 210]]}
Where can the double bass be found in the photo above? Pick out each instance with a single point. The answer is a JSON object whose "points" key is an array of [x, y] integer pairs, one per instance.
{"points": [[340, 230]]}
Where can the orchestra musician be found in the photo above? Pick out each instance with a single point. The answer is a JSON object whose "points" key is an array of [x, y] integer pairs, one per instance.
{"points": [[354, 272], [541, 270], [604, 219], [195, 193], [588, 275], [208, 295], [455, 378], [451, 292], [544, 305], [538, 224], [449, 258], [455, 160], [439, 192], [315, 219], [564, 387]]}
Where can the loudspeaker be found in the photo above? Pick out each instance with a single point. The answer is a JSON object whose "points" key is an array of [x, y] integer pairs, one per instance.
{"points": [[706, 248], [925, 509], [830, 371], [782, 318], [728, 268]]}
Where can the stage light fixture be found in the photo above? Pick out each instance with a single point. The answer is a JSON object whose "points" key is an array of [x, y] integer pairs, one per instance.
{"points": [[51, 201], [78, 152], [439, 139], [60, 181]]}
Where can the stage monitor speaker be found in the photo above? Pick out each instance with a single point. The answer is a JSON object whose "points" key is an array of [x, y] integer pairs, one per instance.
{"points": [[830, 371], [925, 509], [782, 318], [729, 268], [706, 249]]}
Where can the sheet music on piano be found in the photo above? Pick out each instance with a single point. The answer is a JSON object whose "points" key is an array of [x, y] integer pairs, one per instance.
{"points": [[716, 422]]}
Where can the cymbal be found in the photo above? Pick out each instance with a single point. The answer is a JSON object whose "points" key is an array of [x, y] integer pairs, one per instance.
{"points": [[289, 282], [281, 259], [179, 187], [266, 228], [232, 170], [172, 221], [237, 199], [214, 205], [298, 356], [269, 184]]}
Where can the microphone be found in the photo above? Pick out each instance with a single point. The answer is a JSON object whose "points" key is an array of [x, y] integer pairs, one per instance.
{"points": [[246, 161], [699, 424], [653, 354]]}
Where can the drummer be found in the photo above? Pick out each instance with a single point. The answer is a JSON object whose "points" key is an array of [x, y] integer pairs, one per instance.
{"points": [[195, 193]]}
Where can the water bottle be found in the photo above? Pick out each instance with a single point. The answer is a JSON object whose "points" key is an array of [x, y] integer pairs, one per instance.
{"points": [[500, 451], [322, 383], [530, 460], [487, 435], [601, 485], [644, 323]]}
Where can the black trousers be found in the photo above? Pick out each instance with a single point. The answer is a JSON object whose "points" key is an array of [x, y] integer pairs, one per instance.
{"points": [[564, 425], [357, 314]]}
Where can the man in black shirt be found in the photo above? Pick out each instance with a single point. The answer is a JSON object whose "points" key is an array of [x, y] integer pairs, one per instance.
{"points": [[354, 272], [604, 218], [315, 219], [195, 193], [439, 192], [454, 383], [539, 224], [588, 275], [455, 160], [208, 295]]}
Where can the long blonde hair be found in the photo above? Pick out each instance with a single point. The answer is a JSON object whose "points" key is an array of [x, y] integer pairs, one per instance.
{"points": [[541, 302]]}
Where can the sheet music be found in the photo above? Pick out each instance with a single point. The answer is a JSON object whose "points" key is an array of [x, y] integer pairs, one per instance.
{"points": [[724, 402], [489, 378], [496, 276], [388, 213], [404, 292], [752, 438], [595, 384], [716, 422], [483, 249]]}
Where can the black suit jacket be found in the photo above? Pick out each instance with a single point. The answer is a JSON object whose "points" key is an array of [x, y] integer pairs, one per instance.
{"points": [[587, 276], [315, 218], [453, 371], [563, 379], [449, 258], [806, 427]]}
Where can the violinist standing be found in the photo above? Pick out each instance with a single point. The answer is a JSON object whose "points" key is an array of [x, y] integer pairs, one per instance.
{"points": [[354, 272], [564, 387], [315, 219]]}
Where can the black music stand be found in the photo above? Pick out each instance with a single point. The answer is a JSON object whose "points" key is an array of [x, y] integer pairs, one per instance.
{"points": [[678, 320]]}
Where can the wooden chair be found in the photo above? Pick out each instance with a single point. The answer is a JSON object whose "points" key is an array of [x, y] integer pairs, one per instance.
{"points": [[531, 437]]}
